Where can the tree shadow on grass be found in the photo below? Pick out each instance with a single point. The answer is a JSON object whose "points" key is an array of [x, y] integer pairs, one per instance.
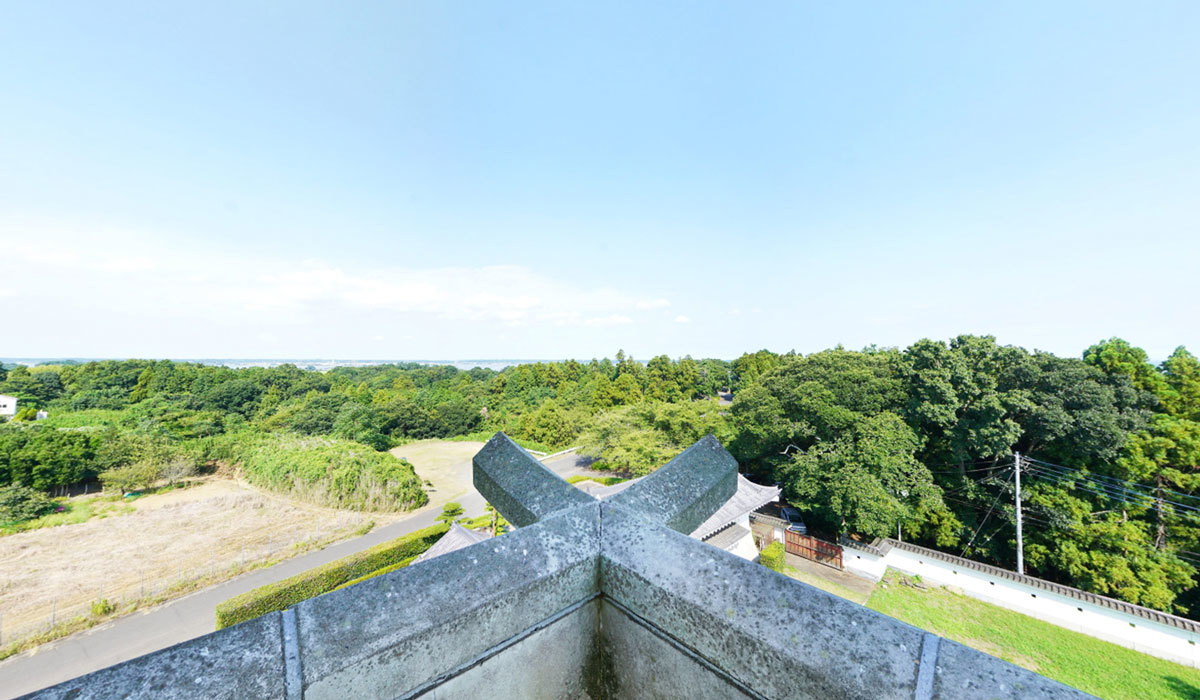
{"points": [[1183, 689]]}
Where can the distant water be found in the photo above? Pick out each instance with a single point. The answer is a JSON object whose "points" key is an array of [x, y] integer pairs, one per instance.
{"points": [[303, 363]]}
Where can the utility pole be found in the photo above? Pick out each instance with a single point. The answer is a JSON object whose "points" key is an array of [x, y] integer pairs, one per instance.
{"points": [[1020, 542]]}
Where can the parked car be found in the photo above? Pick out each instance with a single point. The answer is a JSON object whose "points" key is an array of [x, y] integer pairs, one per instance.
{"points": [[794, 520]]}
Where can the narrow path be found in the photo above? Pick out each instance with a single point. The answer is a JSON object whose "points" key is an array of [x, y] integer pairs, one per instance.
{"points": [[195, 615]]}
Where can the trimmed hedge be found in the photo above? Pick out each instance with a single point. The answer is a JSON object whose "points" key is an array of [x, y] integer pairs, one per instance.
{"points": [[772, 556], [322, 579], [384, 570]]}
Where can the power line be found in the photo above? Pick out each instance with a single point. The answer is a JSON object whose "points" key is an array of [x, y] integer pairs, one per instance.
{"points": [[1128, 501], [991, 467], [979, 507], [985, 519], [1133, 498], [1123, 483], [1129, 488], [1187, 515], [1115, 490], [969, 483]]}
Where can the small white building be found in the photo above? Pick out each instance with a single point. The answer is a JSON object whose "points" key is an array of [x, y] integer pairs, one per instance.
{"points": [[42, 415], [8, 406]]}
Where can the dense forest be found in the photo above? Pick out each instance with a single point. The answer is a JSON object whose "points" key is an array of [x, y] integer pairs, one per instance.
{"points": [[917, 442]]}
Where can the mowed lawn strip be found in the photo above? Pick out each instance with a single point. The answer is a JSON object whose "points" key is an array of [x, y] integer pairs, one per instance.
{"points": [[1094, 666]]}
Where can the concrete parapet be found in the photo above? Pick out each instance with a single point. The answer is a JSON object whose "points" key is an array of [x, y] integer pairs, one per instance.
{"points": [[589, 599], [684, 492], [519, 486], [775, 636], [395, 633], [243, 661]]}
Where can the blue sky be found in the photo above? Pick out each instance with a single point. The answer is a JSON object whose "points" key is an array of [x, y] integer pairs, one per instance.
{"points": [[546, 180]]}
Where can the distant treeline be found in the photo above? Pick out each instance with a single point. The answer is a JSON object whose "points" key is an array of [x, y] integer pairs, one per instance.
{"points": [[874, 442]]}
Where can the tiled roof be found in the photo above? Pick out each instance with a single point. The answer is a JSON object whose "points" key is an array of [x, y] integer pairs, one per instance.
{"points": [[748, 497], [769, 513], [456, 537], [724, 539]]}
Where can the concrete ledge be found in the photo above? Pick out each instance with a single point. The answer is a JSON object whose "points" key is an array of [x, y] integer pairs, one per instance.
{"points": [[687, 490], [243, 661], [551, 662], [519, 486], [641, 663], [780, 637], [391, 634], [770, 632], [963, 672]]}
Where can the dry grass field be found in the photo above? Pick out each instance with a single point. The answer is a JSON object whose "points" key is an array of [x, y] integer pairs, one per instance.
{"points": [[185, 538], [212, 529]]}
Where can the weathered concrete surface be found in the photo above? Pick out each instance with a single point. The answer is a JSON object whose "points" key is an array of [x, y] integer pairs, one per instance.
{"points": [[519, 486], [780, 637], [390, 634], [770, 632], [244, 661], [963, 672], [546, 664], [684, 492], [641, 665]]}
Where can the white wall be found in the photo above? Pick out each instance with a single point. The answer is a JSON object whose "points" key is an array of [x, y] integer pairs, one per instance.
{"points": [[863, 564], [1146, 636], [8, 405], [745, 548]]}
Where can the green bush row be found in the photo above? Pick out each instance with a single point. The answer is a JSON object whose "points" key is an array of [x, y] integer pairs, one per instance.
{"points": [[322, 579], [384, 570], [772, 556]]}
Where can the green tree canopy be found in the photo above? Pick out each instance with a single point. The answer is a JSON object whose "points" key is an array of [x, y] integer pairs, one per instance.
{"points": [[866, 481]]}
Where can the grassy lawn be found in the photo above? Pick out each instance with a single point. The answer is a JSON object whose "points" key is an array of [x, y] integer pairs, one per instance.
{"points": [[80, 509], [74, 511], [1094, 666], [602, 480]]}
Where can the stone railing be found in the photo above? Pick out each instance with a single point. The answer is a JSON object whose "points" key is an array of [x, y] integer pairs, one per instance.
{"points": [[587, 599]]}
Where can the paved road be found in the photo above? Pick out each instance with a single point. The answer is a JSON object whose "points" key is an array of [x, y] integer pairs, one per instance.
{"points": [[194, 615]]}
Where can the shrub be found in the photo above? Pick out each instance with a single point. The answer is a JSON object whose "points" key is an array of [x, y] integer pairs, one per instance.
{"points": [[450, 511], [772, 556], [373, 574], [328, 472], [20, 503], [322, 579], [139, 475]]}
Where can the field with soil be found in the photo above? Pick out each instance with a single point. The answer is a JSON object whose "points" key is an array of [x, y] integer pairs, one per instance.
{"points": [[209, 531]]}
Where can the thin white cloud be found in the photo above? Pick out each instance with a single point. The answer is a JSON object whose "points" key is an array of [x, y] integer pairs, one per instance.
{"points": [[124, 264], [167, 282], [682, 319], [613, 320]]}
